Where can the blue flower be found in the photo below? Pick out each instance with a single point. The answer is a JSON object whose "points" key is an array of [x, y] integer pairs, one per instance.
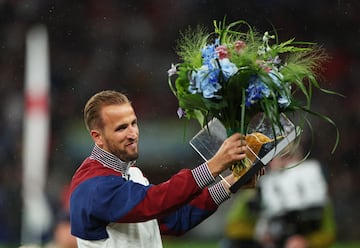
{"points": [[209, 54], [276, 77], [228, 68], [205, 81], [283, 99], [256, 90]]}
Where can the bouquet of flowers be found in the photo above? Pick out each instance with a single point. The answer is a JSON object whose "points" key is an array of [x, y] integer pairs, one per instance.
{"points": [[233, 75]]}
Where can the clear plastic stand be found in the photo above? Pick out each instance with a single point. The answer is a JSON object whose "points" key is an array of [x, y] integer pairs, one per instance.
{"points": [[209, 139]]}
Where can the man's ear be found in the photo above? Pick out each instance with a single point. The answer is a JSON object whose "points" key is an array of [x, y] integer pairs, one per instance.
{"points": [[97, 137]]}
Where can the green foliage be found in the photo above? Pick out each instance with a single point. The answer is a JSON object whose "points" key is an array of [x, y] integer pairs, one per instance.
{"points": [[233, 73]]}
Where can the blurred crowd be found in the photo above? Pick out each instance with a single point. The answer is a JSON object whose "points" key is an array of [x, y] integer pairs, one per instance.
{"points": [[287, 208], [129, 45]]}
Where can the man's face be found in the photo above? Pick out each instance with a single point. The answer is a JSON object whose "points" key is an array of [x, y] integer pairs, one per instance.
{"points": [[120, 133]]}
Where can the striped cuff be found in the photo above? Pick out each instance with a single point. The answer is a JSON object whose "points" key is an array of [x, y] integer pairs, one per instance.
{"points": [[218, 193], [202, 175]]}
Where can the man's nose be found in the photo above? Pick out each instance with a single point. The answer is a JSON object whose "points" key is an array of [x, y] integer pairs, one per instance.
{"points": [[132, 132]]}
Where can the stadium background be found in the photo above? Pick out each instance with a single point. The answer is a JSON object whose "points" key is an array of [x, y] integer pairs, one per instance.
{"points": [[129, 46]]}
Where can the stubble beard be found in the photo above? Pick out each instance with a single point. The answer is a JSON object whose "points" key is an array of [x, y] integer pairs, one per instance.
{"points": [[123, 154]]}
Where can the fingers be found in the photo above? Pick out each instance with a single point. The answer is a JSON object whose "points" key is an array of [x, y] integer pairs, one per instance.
{"points": [[241, 143], [241, 149], [261, 172], [237, 136], [231, 151], [237, 139], [237, 146]]}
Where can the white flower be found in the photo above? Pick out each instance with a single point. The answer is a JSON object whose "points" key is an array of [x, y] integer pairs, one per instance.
{"points": [[172, 70]]}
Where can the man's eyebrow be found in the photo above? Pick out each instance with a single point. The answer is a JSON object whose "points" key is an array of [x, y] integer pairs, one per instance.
{"points": [[120, 126]]}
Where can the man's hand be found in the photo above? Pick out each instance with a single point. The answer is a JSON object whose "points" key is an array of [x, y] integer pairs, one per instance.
{"points": [[231, 151]]}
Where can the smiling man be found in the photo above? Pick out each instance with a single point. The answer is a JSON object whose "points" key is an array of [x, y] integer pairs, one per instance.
{"points": [[113, 205]]}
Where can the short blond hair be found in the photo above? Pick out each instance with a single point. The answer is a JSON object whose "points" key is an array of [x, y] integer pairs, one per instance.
{"points": [[92, 110]]}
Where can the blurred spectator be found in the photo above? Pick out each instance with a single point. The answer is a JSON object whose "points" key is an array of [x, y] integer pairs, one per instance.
{"points": [[290, 209], [241, 221], [296, 211], [62, 237]]}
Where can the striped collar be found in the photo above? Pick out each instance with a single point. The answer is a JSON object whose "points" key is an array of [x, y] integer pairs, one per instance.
{"points": [[110, 160]]}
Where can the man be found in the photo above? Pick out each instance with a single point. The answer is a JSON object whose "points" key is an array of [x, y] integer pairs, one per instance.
{"points": [[113, 205]]}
